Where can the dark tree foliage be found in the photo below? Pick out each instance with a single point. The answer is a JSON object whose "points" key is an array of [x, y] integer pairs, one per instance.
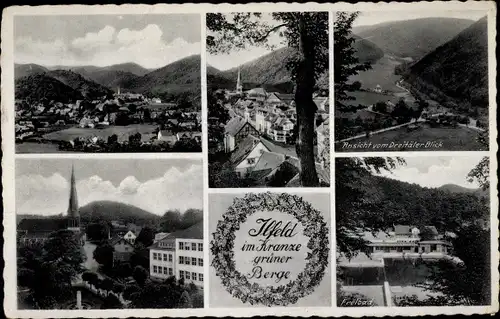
{"points": [[356, 211], [140, 275], [111, 302], [171, 221], [97, 231], [103, 254], [48, 270], [145, 237], [157, 295], [307, 33], [346, 63], [466, 283]]}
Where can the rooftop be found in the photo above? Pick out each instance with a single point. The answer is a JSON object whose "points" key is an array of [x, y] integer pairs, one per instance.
{"points": [[234, 125], [243, 149]]}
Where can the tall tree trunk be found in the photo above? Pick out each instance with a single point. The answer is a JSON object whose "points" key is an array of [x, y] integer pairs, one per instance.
{"points": [[306, 109]]}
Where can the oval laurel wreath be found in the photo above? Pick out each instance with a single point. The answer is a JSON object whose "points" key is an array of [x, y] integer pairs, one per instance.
{"points": [[222, 246]]}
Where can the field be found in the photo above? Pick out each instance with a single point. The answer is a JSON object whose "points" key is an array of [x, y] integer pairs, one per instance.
{"points": [[33, 147], [442, 139], [381, 73], [122, 132]]}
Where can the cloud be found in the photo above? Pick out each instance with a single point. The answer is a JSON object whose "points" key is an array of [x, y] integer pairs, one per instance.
{"points": [[438, 171], [106, 47], [36, 194]]}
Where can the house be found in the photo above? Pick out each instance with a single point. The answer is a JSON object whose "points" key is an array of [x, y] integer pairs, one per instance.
{"points": [[321, 103], [246, 154], [130, 236], [235, 131], [405, 239], [266, 166], [159, 236], [123, 249], [179, 254], [166, 136], [257, 94]]}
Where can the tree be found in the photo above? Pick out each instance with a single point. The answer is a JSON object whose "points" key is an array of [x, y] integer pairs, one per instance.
{"points": [[103, 254], [481, 173], [111, 302], [356, 211], [112, 139], [191, 217], [426, 234], [217, 116], [97, 231], [145, 237], [380, 107], [307, 33], [49, 269], [157, 295], [140, 275], [170, 221], [185, 301], [346, 64], [130, 290]]}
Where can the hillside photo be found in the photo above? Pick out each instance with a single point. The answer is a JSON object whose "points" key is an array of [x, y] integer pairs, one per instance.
{"points": [[268, 101], [108, 84], [416, 84], [96, 234], [413, 231]]}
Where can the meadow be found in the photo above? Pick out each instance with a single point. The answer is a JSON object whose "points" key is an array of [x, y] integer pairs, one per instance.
{"points": [[123, 132], [443, 139]]}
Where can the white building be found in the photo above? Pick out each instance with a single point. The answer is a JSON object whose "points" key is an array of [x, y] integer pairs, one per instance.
{"points": [[130, 237], [180, 254]]}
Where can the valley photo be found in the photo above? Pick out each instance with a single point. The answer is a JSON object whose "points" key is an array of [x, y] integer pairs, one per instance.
{"points": [[107, 83], [411, 81], [109, 234], [268, 99], [413, 231]]}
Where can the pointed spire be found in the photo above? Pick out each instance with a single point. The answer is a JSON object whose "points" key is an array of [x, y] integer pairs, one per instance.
{"points": [[239, 86], [73, 197]]}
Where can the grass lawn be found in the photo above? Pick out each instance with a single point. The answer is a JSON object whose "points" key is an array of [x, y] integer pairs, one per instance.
{"points": [[33, 147], [122, 132], [445, 139]]}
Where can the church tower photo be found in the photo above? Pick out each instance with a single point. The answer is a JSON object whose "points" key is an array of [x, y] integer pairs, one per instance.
{"points": [[73, 214]]}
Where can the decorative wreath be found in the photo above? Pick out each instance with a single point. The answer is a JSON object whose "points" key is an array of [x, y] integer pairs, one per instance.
{"points": [[222, 246]]}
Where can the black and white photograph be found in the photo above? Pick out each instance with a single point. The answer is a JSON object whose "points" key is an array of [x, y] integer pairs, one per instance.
{"points": [[413, 231], [268, 99], [109, 234], [411, 81], [107, 83]]}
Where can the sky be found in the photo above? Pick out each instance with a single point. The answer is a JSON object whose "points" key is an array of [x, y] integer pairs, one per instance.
{"points": [[239, 57], [150, 40], [436, 171], [155, 185], [375, 17]]}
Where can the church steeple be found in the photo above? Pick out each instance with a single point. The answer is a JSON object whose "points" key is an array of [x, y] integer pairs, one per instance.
{"points": [[239, 86], [73, 215]]}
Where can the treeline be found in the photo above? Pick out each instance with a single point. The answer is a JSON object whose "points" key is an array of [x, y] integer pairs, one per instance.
{"points": [[411, 204]]}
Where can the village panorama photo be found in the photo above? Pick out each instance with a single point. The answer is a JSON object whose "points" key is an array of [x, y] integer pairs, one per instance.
{"points": [[107, 83], [109, 234], [268, 99]]}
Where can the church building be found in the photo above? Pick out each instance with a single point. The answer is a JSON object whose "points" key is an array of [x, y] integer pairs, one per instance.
{"points": [[38, 230]]}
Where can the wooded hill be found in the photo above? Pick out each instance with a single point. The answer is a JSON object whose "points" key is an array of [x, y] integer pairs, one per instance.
{"points": [[268, 71], [412, 38], [458, 68], [182, 77], [411, 204]]}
